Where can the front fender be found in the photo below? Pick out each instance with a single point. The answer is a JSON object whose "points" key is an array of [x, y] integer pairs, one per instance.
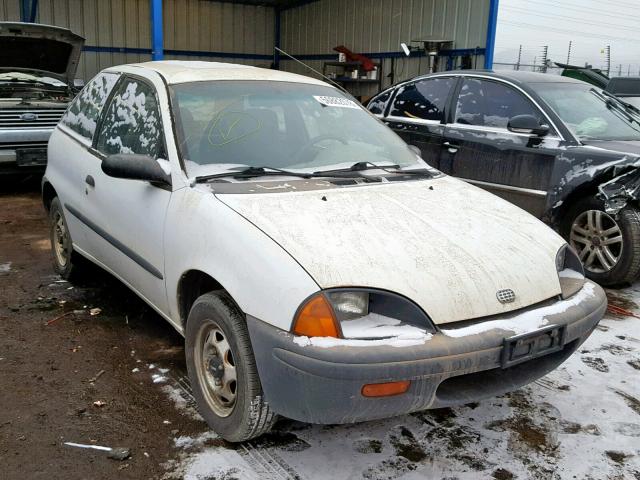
{"points": [[620, 190], [204, 234], [586, 170]]}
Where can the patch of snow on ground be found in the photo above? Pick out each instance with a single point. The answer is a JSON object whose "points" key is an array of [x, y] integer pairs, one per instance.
{"points": [[157, 378], [5, 267], [191, 442], [181, 401], [220, 464]]}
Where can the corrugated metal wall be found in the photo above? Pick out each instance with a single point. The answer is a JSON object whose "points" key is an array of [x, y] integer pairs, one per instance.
{"points": [[373, 26], [196, 25], [103, 23], [189, 26], [192, 26]]}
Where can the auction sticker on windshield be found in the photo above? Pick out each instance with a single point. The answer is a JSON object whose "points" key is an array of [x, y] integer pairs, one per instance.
{"points": [[336, 101]]}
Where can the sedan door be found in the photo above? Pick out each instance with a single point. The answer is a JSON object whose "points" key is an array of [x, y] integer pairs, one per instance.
{"points": [[127, 217], [417, 113], [480, 149]]}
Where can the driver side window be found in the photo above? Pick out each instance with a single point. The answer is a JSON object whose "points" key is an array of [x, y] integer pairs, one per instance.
{"points": [[131, 122], [487, 103]]}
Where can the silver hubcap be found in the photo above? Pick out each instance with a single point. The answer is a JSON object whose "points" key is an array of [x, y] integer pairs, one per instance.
{"points": [[597, 238], [216, 369], [60, 241]]}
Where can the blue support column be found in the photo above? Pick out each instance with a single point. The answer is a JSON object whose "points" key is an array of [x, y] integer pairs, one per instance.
{"points": [[491, 34], [28, 9], [277, 39], [157, 36]]}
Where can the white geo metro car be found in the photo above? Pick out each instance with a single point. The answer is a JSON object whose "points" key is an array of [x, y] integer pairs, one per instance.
{"points": [[316, 265]]}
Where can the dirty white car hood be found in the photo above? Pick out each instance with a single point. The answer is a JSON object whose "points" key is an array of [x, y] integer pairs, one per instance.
{"points": [[444, 244]]}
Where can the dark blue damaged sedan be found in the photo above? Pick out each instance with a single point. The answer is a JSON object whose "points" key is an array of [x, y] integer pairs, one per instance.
{"points": [[563, 150]]}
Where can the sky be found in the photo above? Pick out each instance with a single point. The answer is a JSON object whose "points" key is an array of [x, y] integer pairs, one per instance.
{"points": [[591, 25]]}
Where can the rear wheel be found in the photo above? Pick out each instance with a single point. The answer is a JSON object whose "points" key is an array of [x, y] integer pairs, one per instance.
{"points": [[65, 261], [608, 245], [222, 370]]}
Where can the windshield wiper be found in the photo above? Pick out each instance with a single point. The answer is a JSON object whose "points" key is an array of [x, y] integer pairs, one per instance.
{"points": [[351, 172], [360, 166], [250, 172], [614, 103]]}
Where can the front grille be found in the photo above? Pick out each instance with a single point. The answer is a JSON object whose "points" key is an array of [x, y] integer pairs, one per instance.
{"points": [[30, 118]]}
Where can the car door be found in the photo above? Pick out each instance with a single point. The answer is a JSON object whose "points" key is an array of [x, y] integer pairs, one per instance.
{"points": [[70, 156], [480, 149], [126, 216], [417, 114]]}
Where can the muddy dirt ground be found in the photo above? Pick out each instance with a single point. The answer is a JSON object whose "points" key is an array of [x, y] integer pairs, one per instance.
{"points": [[117, 379], [51, 348]]}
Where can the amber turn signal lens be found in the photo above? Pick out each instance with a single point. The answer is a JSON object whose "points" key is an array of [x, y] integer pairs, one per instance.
{"points": [[316, 319], [385, 389]]}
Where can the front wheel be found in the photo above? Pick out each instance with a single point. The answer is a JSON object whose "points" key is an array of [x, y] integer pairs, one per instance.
{"points": [[222, 370], [608, 245]]}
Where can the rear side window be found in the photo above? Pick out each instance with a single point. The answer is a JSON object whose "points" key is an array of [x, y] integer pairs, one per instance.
{"points": [[82, 115], [378, 104], [424, 99], [131, 122], [491, 104]]}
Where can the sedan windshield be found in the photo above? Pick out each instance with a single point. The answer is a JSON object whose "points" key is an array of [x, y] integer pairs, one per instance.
{"points": [[588, 113], [292, 126]]}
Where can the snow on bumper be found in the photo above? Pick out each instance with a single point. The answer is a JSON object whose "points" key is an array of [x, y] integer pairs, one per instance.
{"points": [[322, 384]]}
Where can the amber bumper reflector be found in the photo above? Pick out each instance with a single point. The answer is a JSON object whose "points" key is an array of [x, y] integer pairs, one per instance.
{"points": [[385, 389]]}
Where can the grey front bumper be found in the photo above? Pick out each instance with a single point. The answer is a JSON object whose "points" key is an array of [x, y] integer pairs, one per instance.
{"points": [[323, 385]]}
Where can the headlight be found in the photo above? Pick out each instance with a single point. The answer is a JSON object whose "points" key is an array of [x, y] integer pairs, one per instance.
{"points": [[359, 313], [570, 271]]}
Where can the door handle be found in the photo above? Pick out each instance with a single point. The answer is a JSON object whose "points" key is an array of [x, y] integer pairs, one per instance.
{"points": [[90, 181], [452, 147]]}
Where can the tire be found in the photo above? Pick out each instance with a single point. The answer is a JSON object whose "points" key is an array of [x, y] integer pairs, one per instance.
{"points": [[66, 262], [584, 226], [218, 349]]}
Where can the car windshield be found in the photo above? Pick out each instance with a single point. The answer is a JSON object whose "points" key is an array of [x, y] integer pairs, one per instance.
{"points": [[292, 126], [587, 113]]}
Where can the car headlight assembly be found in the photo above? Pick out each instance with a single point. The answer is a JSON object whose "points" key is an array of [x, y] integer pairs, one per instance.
{"points": [[359, 313], [570, 271]]}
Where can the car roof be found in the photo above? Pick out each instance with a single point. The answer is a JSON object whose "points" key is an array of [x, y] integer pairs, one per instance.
{"points": [[176, 71], [515, 76]]}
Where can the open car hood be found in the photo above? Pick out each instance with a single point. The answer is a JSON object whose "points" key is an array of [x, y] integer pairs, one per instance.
{"points": [[43, 48], [444, 244]]}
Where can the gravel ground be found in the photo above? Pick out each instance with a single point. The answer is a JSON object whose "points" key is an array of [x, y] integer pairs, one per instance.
{"points": [[117, 379]]}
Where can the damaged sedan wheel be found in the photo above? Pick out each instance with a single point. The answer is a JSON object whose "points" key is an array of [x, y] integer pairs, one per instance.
{"points": [[607, 245], [597, 238]]}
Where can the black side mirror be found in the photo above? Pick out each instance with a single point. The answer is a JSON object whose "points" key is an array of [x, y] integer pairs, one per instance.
{"points": [[135, 167], [527, 124]]}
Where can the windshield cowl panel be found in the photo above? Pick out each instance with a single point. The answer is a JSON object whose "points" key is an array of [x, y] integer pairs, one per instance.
{"points": [[302, 128], [288, 184]]}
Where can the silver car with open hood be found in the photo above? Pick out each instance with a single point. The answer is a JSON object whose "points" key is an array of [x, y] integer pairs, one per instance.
{"points": [[37, 68]]}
